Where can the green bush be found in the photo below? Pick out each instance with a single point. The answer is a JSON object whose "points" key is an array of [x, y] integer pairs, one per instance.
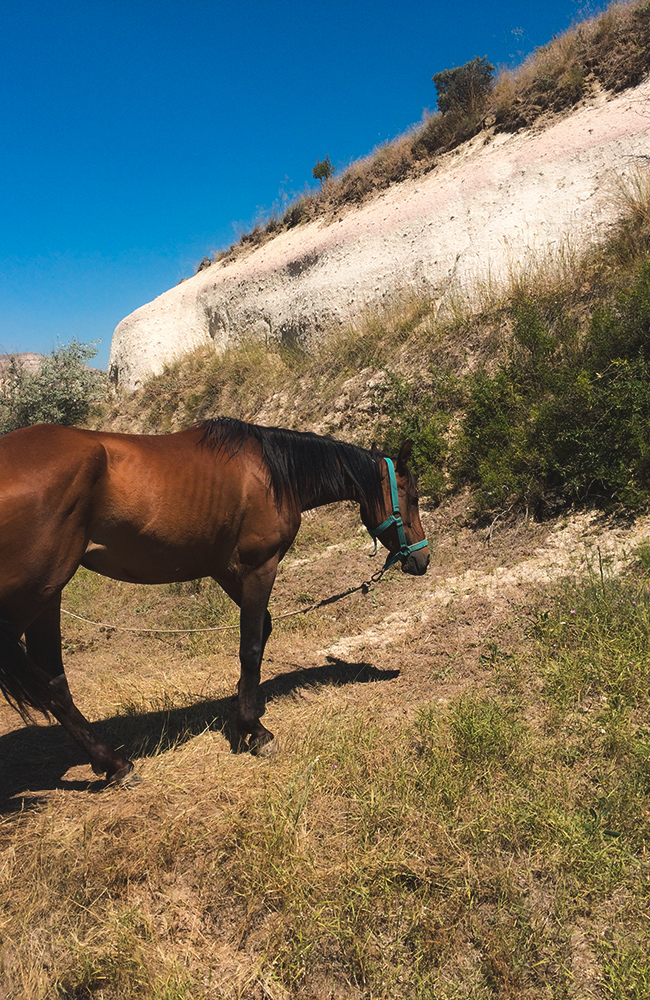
{"points": [[61, 391], [323, 170], [564, 421], [464, 88], [419, 411], [462, 100]]}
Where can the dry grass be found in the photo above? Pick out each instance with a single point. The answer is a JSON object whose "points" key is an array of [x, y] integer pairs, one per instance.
{"points": [[270, 383], [445, 818]]}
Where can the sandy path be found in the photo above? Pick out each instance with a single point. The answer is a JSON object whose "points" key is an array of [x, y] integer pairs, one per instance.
{"points": [[575, 543]]}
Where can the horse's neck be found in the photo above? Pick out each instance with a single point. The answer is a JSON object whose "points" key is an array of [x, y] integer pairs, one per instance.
{"points": [[323, 497]]}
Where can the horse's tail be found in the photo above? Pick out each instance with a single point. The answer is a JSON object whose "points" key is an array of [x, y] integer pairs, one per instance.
{"points": [[22, 682]]}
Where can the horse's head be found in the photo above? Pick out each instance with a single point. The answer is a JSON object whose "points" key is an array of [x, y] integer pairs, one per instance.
{"points": [[401, 530]]}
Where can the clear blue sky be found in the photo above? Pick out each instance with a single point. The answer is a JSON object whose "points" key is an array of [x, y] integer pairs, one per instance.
{"points": [[136, 136]]}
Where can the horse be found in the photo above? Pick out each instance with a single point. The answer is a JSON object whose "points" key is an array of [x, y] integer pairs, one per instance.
{"points": [[222, 499]]}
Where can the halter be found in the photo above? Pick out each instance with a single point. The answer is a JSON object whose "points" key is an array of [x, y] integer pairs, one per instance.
{"points": [[395, 518]]}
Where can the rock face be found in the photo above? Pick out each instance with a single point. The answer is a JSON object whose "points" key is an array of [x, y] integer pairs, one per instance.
{"points": [[489, 208], [27, 359]]}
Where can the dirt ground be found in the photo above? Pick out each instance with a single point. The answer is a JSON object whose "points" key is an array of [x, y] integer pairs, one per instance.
{"points": [[404, 644]]}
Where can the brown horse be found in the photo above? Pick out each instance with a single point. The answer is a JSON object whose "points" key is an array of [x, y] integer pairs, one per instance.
{"points": [[223, 499]]}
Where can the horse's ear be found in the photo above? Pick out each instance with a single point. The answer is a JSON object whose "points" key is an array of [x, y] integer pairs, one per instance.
{"points": [[404, 455], [373, 446]]}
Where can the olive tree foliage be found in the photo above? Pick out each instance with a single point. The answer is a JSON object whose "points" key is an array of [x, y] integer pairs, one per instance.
{"points": [[61, 391], [464, 88]]}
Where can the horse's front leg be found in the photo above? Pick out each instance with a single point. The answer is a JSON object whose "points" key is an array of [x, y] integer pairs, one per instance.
{"points": [[43, 645], [255, 629]]}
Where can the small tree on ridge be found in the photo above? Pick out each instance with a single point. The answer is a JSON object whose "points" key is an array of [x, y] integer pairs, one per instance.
{"points": [[464, 88], [323, 170]]}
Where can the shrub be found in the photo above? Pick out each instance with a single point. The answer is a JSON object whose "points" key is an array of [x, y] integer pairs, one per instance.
{"points": [[419, 411], [564, 421], [323, 170], [61, 391], [464, 88], [462, 99]]}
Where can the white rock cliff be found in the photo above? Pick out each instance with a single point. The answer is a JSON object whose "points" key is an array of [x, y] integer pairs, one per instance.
{"points": [[487, 209]]}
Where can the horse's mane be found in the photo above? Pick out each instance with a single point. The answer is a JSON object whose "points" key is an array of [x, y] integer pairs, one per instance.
{"points": [[305, 466]]}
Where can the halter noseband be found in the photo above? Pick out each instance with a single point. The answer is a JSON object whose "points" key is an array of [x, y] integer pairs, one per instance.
{"points": [[395, 518]]}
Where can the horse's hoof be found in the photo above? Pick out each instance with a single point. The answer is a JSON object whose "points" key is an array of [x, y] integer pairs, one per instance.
{"points": [[124, 777], [268, 749], [130, 780]]}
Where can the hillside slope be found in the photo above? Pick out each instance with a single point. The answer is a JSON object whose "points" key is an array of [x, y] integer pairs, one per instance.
{"points": [[488, 208]]}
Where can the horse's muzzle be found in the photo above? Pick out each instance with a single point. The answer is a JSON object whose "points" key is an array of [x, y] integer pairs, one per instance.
{"points": [[417, 563]]}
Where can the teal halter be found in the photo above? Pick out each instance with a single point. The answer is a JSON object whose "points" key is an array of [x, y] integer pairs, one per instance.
{"points": [[395, 518]]}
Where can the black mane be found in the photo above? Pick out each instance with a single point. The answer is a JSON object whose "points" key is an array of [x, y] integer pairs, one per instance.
{"points": [[309, 468]]}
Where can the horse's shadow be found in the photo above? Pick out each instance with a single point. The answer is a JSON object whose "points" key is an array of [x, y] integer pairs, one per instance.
{"points": [[39, 756]]}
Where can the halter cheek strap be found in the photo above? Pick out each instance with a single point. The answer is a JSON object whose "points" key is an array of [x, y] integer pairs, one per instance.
{"points": [[395, 518]]}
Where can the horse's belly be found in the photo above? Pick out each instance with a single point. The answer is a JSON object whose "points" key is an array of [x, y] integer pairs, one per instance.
{"points": [[143, 566]]}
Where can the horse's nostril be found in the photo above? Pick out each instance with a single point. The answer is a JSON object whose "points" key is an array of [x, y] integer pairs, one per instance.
{"points": [[416, 566]]}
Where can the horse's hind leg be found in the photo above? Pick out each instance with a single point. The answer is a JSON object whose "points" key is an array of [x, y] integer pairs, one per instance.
{"points": [[43, 644]]}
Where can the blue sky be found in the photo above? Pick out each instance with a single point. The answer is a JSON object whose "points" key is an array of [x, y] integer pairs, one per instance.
{"points": [[136, 136]]}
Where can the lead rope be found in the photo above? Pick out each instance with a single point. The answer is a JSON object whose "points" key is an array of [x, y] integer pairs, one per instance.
{"points": [[363, 587]]}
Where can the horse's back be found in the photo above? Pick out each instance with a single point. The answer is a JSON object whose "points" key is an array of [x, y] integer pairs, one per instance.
{"points": [[42, 464], [169, 509], [141, 508], [34, 458], [40, 443]]}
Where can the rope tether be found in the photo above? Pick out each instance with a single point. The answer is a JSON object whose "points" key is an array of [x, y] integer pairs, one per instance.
{"points": [[364, 587]]}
